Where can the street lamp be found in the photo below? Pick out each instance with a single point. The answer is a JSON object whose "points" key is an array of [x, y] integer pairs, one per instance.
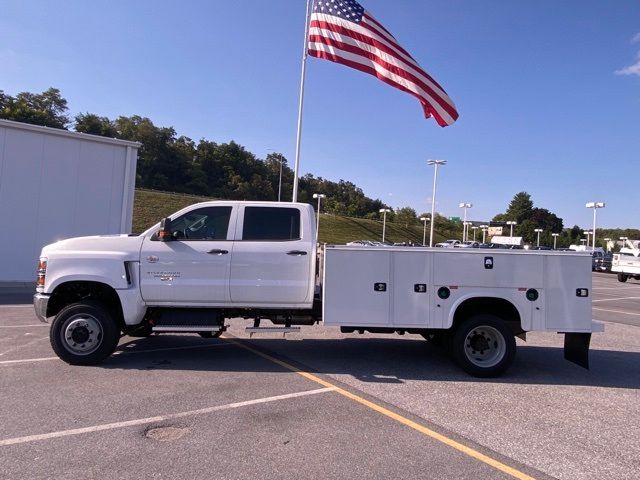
{"points": [[582, 240], [319, 196], [595, 206], [555, 237], [607, 240], [435, 163], [484, 228], [587, 233], [384, 211], [424, 230], [511, 223], [466, 230], [624, 240], [474, 232], [538, 231], [464, 205]]}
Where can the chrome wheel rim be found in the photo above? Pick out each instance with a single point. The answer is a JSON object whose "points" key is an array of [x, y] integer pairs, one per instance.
{"points": [[485, 346], [82, 334]]}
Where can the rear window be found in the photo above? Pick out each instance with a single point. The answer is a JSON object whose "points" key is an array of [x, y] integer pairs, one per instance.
{"points": [[271, 223]]}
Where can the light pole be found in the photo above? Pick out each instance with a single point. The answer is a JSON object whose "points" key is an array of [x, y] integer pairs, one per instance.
{"points": [[464, 205], [607, 240], [582, 240], [587, 233], [384, 211], [555, 237], [319, 196], [624, 240], [466, 230], [484, 232], [435, 163], [538, 231], [595, 206], [424, 230], [511, 223], [474, 232]]}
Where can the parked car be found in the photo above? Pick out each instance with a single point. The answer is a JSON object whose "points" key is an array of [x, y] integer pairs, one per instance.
{"points": [[448, 244], [468, 244], [601, 262]]}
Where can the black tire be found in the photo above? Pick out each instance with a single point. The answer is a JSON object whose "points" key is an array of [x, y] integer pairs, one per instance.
{"points": [[636, 277], [477, 335], [622, 277], [210, 334], [84, 333]]}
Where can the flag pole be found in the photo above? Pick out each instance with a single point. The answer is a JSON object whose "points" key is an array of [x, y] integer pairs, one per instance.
{"points": [[301, 101]]}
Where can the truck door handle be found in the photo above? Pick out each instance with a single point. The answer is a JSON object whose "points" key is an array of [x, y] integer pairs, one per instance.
{"points": [[217, 251], [297, 252]]}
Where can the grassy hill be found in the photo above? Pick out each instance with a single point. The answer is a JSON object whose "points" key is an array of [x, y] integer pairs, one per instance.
{"points": [[150, 206]]}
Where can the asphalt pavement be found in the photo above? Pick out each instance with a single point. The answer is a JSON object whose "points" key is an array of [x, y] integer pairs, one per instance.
{"points": [[320, 404]]}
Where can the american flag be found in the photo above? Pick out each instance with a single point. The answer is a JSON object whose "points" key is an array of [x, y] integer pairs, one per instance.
{"points": [[344, 32]]}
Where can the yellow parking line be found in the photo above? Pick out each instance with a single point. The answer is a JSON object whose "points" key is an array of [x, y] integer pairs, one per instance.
{"points": [[388, 413]]}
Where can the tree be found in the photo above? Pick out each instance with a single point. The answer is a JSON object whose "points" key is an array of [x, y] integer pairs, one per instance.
{"points": [[520, 207], [47, 108], [95, 125], [406, 216]]}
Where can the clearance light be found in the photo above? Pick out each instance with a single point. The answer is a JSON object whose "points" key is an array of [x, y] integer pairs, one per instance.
{"points": [[443, 293], [532, 294]]}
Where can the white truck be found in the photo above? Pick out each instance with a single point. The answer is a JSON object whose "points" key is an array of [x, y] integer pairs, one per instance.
{"points": [[222, 260], [626, 263]]}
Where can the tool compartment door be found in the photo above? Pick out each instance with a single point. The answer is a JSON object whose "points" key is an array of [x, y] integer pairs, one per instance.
{"points": [[412, 292], [356, 287]]}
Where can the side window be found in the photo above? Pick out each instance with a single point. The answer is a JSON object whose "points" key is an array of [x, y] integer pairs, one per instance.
{"points": [[208, 223], [271, 223]]}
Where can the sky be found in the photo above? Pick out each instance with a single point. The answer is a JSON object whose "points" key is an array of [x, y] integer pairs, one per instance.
{"points": [[548, 92]]}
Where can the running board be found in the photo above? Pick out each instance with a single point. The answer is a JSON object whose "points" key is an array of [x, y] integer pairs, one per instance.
{"points": [[283, 330], [187, 328]]}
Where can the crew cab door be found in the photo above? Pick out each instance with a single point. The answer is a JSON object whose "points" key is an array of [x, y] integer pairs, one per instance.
{"points": [[271, 262], [193, 268]]}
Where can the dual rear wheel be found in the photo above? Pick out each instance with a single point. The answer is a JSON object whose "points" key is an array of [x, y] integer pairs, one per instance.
{"points": [[482, 345]]}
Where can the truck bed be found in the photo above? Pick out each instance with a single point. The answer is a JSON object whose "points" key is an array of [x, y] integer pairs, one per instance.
{"points": [[422, 288]]}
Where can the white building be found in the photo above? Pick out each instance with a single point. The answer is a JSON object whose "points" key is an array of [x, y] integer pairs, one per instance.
{"points": [[57, 184]]}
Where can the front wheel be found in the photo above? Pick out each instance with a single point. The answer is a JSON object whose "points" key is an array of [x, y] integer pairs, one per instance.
{"points": [[622, 277], [483, 346], [84, 333]]}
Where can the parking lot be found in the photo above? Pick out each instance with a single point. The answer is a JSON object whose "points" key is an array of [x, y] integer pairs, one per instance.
{"points": [[320, 404]]}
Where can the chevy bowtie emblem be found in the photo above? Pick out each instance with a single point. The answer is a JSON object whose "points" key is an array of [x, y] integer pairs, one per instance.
{"points": [[152, 259]]}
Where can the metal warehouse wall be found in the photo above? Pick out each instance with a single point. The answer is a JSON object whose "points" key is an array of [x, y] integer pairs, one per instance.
{"points": [[56, 184]]}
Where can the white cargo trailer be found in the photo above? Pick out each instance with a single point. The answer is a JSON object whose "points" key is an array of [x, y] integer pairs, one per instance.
{"points": [[57, 184]]}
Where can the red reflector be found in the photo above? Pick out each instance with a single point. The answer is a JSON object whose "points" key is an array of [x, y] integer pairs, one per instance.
{"points": [[522, 289], [453, 287]]}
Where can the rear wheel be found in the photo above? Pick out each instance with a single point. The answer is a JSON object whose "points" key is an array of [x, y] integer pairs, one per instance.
{"points": [[483, 346], [84, 333], [622, 277]]}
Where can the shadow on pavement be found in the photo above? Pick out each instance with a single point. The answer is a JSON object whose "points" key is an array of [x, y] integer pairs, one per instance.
{"points": [[374, 360]]}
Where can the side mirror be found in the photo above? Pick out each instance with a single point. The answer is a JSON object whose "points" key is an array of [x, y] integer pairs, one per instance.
{"points": [[165, 234]]}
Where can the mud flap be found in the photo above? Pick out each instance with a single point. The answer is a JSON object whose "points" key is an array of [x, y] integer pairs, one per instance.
{"points": [[576, 348]]}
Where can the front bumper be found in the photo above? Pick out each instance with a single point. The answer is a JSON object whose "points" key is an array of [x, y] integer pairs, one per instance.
{"points": [[40, 302]]}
